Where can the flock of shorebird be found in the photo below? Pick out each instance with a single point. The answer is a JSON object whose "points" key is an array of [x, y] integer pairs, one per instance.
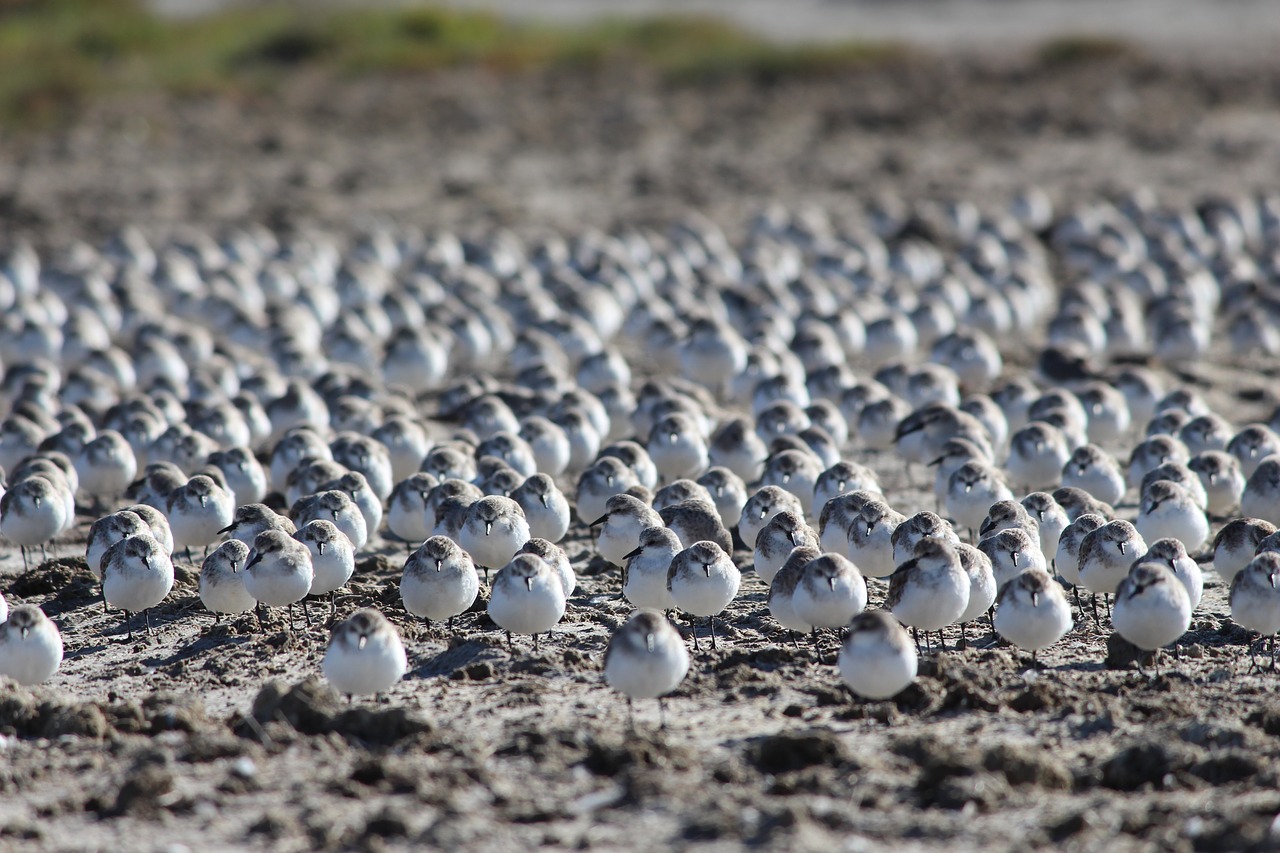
{"points": [[682, 392]]}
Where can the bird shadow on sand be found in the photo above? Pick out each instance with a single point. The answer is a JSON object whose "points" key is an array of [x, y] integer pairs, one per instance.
{"points": [[198, 646], [457, 657]]}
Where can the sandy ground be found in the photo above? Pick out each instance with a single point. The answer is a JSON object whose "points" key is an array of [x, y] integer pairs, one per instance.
{"points": [[216, 738]]}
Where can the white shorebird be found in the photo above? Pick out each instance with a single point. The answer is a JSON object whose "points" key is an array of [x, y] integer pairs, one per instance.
{"points": [[336, 506], [494, 530], [678, 491], [1003, 515], [407, 508], [1252, 444], [1168, 511], [278, 571], [244, 474], [785, 532], [156, 520], [1173, 554], [549, 444], [251, 519], [781, 597], [911, 531], [107, 531], [697, 520], [527, 597], [1051, 520], [931, 590], [645, 585], [1222, 478], [1037, 454], [1106, 555], [878, 659], [197, 511], [971, 490], [32, 512], [1261, 496], [830, 592], [545, 507], [728, 493], [356, 486], [1152, 608], [677, 447], [763, 505], [1012, 551], [106, 466], [1237, 543], [30, 646], [136, 576], [597, 485], [1255, 598], [646, 659], [555, 557], [1095, 471], [1032, 612], [1066, 559], [735, 446], [439, 581], [797, 471], [365, 655], [703, 580], [982, 585], [624, 518], [333, 560], [222, 577], [870, 539]]}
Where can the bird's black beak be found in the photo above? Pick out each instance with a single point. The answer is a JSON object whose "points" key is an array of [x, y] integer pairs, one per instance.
{"points": [[488, 528], [254, 559], [364, 638], [1035, 599], [599, 521], [320, 548], [26, 630], [528, 582], [831, 582], [439, 565], [634, 552], [230, 527], [706, 567]]}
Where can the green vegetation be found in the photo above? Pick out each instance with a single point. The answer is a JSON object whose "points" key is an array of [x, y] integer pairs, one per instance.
{"points": [[57, 54], [1078, 49]]}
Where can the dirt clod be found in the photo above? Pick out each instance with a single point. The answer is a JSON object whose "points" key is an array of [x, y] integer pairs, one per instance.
{"points": [[784, 753]]}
